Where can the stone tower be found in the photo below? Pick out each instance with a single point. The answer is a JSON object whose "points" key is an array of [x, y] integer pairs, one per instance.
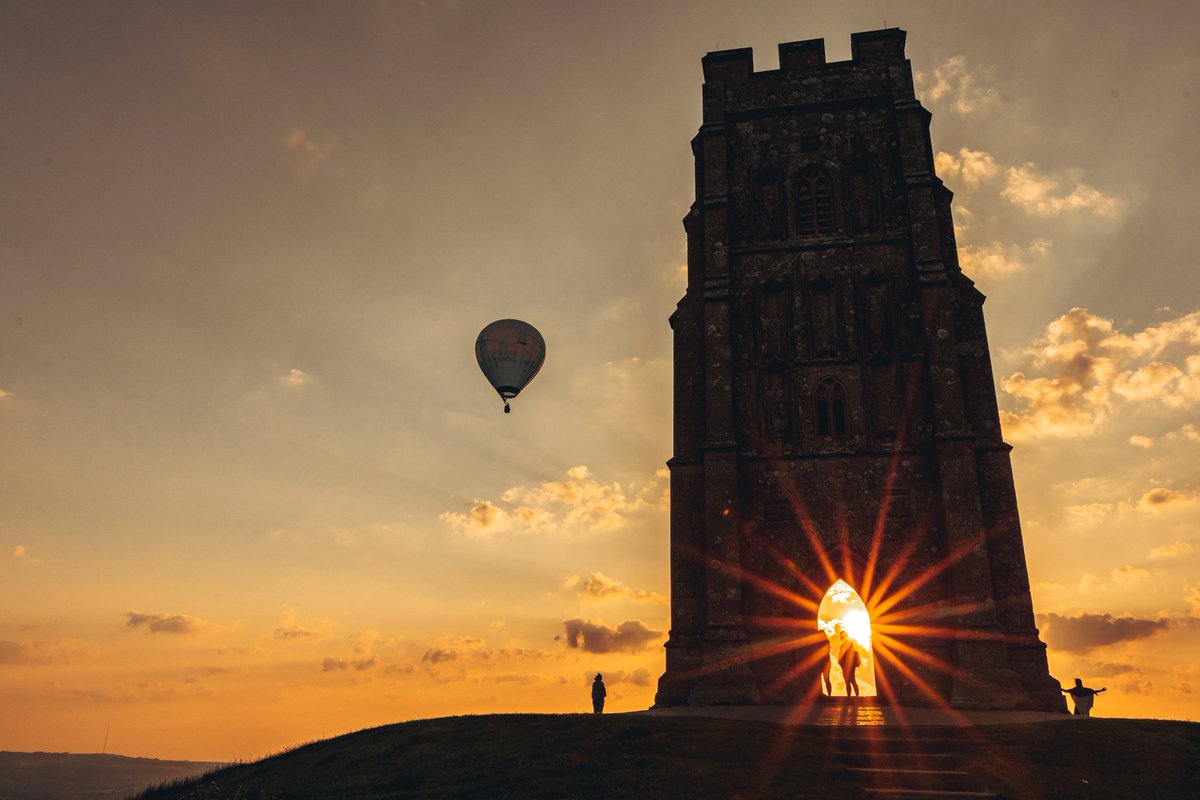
{"points": [[835, 412]]}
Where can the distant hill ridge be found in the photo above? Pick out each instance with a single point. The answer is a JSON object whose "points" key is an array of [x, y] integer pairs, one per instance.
{"points": [[86, 776], [648, 756]]}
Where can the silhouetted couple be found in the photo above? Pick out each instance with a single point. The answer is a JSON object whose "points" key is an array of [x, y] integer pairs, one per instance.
{"points": [[1083, 697], [842, 648]]}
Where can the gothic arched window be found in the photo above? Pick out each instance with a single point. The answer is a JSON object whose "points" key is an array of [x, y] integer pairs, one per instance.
{"points": [[765, 212], [829, 401], [814, 202]]}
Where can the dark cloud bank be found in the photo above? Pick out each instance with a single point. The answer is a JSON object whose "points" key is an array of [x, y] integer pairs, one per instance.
{"points": [[1086, 631], [596, 637]]}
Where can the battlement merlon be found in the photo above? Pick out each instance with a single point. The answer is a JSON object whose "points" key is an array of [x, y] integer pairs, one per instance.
{"points": [[877, 67]]}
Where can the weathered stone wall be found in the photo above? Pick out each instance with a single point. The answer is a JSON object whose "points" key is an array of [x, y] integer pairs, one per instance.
{"points": [[835, 411]]}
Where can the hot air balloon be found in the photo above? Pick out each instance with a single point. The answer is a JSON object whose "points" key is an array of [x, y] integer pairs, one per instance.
{"points": [[510, 352]]}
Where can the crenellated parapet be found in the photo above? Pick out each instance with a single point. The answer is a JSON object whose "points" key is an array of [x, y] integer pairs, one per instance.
{"points": [[877, 68]]}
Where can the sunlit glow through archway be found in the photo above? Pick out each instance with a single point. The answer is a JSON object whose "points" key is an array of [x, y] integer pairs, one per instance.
{"points": [[843, 611]]}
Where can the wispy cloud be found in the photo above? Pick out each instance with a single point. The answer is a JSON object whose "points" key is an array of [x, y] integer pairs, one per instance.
{"points": [[1173, 550], [363, 641], [579, 503], [1088, 515], [315, 156], [1129, 575], [591, 636], [1089, 367], [1035, 192], [1187, 433], [456, 658], [296, 377], [42, 652], [21, 553], [289, 630], [953, 86], [997, 259], [1161, 497], [972, 167], [614, 677], [176, 624], [599, 586], [358, 665]]}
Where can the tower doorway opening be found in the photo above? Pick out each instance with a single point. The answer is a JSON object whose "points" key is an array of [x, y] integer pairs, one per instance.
{"points": [[843, 618]]}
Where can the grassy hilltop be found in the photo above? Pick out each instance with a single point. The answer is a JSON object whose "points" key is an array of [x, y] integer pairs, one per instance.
{"points": [[555, 757]]}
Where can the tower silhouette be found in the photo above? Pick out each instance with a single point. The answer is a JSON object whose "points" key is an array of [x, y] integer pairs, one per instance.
{"points": [[835, 412]]}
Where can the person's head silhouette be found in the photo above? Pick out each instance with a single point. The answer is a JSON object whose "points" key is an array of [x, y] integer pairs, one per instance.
{"points": [[1079, 681], [598, 676]]}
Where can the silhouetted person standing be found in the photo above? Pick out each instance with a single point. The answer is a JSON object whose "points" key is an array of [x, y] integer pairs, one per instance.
{"points": [[848, 660], [826, 668], [1083, 697], [598, 695]]}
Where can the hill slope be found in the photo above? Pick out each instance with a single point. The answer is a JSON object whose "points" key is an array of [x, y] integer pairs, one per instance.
{"points": [[553, 757]]}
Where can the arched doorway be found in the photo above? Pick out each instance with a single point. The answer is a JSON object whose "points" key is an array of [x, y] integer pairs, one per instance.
{"points": [[843, 610]]}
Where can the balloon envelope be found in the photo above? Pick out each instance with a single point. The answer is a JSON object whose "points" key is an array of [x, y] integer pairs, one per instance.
{"points": [[510, 352]]}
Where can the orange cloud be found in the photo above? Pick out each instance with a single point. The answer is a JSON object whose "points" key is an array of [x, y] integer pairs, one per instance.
{"points": [[1082, 632], [579, 503], [290, 630], [1090, 367], [363, 641], [973, 167], [596, 637], [1037, 193], [21, 553], [1160, 497], [42, 652], [1129, 574], [954, 87], [638, 677], [1188, 433], [314, 156], [1172, 550], [1088, 515], [997, 259], [178, 624], [296, 377], [599, 586], [339, 664]]}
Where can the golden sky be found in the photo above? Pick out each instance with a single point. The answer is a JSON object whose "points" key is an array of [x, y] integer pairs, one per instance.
{"points": [[254, 490]]}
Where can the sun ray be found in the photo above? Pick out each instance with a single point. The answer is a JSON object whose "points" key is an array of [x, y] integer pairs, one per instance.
{"points": [[917, 654], [927, 575], [930, 632], [901, 560], [935, 609], [787, 563], [842, 528], [810, 531], [768, 585], [798, 669], [756, 652], [918, 681], [880, 524], [786, 622]]}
